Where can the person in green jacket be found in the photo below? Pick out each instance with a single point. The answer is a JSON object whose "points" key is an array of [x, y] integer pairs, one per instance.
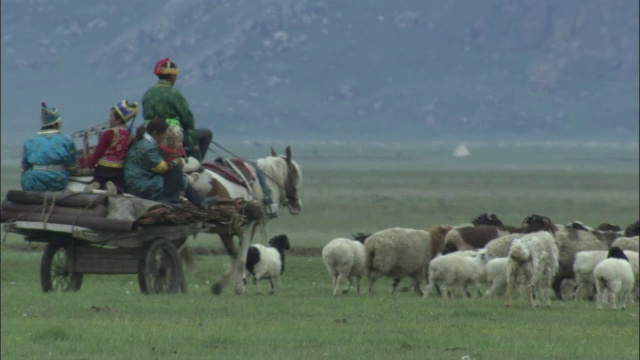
{"points": [[166, 102]]}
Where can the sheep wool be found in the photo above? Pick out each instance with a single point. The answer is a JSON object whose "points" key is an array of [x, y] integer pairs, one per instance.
{"points": [[614, 281], [627, 243], [398, 253], [496, 273], [457, 270], [533, 261], [267, 262], [586, 262], [344, 259]]}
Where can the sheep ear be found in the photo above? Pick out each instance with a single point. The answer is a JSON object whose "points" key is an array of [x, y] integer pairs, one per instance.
{"points": [[273, 152]]}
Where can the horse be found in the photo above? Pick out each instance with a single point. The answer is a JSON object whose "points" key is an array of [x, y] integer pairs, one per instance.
{"points": [[274, 177]]}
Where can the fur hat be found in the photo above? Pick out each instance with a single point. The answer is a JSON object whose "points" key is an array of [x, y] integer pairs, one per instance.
{"points": [[49, 116], [126, 110], [166, 66]]}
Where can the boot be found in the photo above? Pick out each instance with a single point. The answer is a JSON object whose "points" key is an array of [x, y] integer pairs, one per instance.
{"points": [[173, 184]]}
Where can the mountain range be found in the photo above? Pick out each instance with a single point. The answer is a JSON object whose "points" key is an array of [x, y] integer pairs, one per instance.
{"points": [[372, 70]]}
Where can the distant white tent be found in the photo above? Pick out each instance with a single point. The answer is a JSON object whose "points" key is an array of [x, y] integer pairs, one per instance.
{"points": [[461, 151]]}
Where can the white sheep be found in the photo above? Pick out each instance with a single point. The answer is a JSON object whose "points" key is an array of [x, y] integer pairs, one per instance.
{"points": [[627, 243], [586, 262], [398, 253], [267, 262], [344, 259], [457, 270], [499, 247], [533, 261], [496, 274], [614, 279]]}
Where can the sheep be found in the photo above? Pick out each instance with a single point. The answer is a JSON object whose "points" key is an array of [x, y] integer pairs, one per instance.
{"points": [[267, 262], [585, 263], [476, 237], [570, 241], [627, 243], [457, 270], [533, 261], [344, 259], [438, 234], [499, 247], [496, 276], [614, 278], [398, 253], [632, 229]]}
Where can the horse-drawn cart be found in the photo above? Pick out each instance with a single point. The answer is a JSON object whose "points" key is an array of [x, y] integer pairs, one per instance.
{"points": [[130, 236]]}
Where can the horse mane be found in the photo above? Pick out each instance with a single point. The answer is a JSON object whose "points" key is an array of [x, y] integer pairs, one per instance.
{"points": [[276, 168]]}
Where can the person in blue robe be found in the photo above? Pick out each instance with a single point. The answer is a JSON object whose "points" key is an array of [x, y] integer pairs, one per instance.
{"points": [[49, 157]]}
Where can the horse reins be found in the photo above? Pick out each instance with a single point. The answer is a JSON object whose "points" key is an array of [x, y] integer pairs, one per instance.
{"points": [[284, 188]]}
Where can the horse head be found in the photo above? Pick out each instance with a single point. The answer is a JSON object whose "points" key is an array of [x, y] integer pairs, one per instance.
{"points": [[291, 184]]}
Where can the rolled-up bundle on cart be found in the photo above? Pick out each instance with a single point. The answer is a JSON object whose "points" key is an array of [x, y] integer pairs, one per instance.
{"points": [[68, 199], [92, 222], [99, 210]]}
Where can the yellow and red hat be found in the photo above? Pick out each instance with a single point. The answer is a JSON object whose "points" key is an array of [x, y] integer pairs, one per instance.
{"points": [[166, 67]]}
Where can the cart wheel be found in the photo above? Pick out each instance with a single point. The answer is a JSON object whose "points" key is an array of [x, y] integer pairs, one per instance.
{"points": [[159, 269], [53, 273]]}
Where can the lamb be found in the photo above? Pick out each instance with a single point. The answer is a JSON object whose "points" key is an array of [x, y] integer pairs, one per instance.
{"points": [[398, 253], [614, 278], [344, 259], [627, 243], [267, 262], [496, 275], [457, 270], [584, 266], [533, 261]]}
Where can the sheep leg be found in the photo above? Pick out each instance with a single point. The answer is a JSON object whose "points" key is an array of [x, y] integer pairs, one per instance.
{"points": [[557, 286], [336, 283], [273, 288], [599, 294], [427, 291], [507, 301], [530, 296], [394, 287], [372, 279], [346, 290], [358, 285]]}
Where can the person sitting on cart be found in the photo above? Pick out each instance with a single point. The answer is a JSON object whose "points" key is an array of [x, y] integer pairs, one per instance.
{"points": [[164, 101], [48, 157], [149, 176], [108, 157]]}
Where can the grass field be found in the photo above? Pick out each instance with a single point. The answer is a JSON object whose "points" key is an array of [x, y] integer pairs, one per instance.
{"points": [[342, 194]]}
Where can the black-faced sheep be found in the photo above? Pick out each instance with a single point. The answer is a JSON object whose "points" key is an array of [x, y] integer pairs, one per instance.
{"points": [[533, 261], [344, 259], [586, 262], [267, 262], [398, 253], [614, 279], [457, 270]]}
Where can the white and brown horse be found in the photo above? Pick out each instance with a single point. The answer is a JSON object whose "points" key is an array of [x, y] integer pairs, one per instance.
{"points": [[281, 179]]}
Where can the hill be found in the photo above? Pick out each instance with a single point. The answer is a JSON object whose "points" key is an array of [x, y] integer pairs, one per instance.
{"points": [[368, 69]]}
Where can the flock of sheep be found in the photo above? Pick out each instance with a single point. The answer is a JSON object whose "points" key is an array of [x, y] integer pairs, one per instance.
{"points": [[484, 257], [486, 254]]}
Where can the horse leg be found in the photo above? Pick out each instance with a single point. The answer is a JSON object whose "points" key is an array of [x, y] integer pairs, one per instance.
{"points": [[241, 261], [227, 241]]}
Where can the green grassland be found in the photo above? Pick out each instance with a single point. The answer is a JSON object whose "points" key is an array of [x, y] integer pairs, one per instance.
{"points": [[347, 190]]}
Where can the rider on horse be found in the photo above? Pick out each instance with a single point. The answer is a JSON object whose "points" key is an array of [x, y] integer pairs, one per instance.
{"points": [[166, 102]]}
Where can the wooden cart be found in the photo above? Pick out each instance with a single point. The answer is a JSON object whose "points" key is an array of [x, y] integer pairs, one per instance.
{"points": [[151, 252]]}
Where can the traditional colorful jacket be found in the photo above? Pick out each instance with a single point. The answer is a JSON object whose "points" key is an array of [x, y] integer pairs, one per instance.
{"points": [[112, 148], [46, 160], [143, 169], [166, 102]]}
